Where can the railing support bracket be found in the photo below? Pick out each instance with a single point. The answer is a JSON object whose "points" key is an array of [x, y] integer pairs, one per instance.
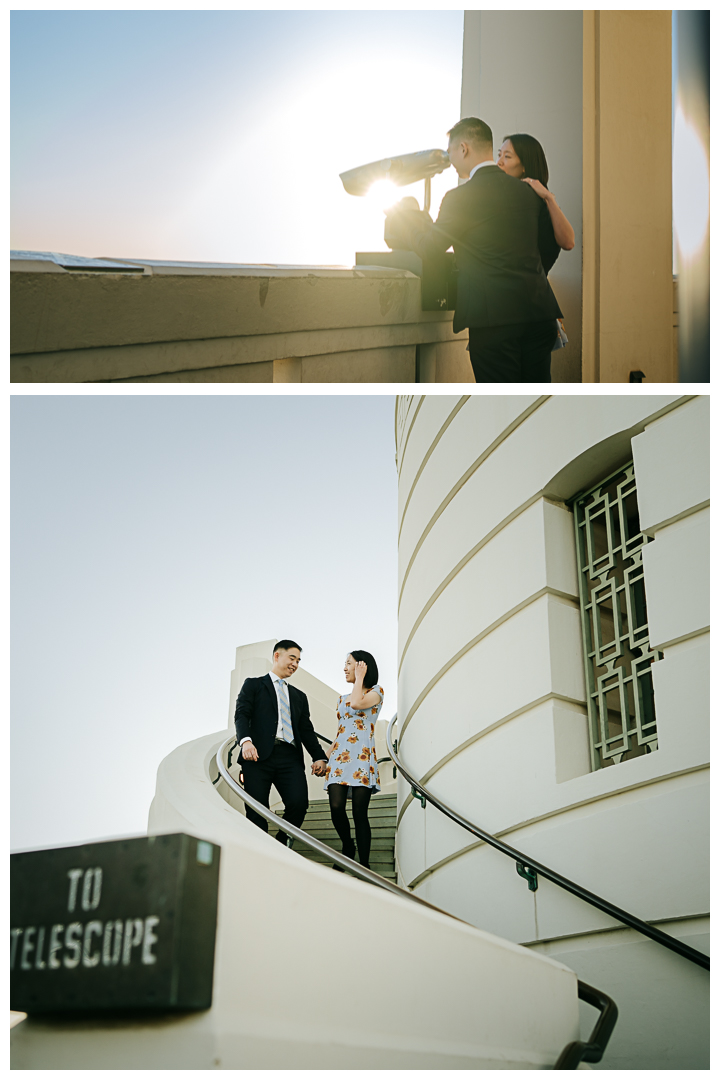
{"points": [[529, 874], [418, 795]]}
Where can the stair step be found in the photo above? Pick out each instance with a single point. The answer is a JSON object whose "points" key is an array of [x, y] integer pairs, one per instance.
{"points": [[375, 800], [379, 818], [326, 828], [379, 843], [382, 815]]}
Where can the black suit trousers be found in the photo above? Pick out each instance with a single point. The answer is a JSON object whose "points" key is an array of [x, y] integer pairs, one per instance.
{"points": [[284, 768], [517, 352]]}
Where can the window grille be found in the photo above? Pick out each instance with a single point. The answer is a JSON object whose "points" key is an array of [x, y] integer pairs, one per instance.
{"points": [[616, 637]]}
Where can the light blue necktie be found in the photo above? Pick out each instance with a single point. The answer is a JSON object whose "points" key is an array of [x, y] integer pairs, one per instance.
{"points": [[285, 712]]}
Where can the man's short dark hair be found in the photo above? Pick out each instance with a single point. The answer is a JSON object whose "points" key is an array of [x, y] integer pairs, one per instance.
{"points": [[473, 131], [286, 644]]}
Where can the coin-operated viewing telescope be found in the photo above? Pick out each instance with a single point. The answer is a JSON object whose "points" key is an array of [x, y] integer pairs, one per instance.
{"points": [[438, 287], [402, 170]]}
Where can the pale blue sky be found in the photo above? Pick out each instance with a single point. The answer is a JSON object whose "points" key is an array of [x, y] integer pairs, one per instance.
{"points": [[220, 135], [151, 536]]}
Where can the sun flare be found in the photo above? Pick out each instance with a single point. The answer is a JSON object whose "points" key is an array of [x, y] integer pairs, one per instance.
{"points": [[383, 194]]}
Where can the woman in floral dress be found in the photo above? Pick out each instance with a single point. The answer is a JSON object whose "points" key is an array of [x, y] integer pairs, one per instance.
{"points": [[352, 764]]}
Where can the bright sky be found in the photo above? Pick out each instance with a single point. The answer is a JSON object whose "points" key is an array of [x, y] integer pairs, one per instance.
{"points": [[151, 536], [220, 135]]}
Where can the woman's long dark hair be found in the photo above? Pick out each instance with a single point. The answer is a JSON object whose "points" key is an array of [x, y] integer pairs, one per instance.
{"points": [[532, 157], [371, 676]]}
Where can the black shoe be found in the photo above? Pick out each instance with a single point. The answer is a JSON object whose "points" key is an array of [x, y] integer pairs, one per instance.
{"points": [[348, 852]]}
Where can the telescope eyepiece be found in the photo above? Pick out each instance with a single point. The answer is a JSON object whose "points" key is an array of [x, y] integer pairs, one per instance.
{"points": [[402, 170]]}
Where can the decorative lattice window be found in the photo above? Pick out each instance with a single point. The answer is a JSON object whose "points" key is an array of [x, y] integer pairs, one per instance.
{"points": [[616, 637]]}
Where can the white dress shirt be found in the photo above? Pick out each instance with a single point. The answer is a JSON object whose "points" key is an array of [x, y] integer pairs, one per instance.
{"points": [[279, 733], [480, 166]]}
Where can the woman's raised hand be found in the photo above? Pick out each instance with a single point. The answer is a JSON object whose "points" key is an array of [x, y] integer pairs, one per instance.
{"points": [[360, 672], [537, 187]]}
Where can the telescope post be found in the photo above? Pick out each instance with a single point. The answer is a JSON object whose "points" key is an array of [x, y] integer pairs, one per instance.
{"points": [[426, 207]]}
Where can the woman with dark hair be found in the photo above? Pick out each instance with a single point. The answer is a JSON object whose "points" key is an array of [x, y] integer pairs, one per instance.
{"points": [[352, 762], [522, 156]]}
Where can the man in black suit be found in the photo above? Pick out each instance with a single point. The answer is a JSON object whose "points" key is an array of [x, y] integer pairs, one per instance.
{"points": [[503, 295], [272, 722]]}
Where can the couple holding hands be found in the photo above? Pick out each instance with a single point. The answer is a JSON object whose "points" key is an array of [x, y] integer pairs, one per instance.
{"points": [[272, 722]]}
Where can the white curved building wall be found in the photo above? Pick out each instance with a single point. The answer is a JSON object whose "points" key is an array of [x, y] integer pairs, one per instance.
{"points": [[492, 699]]}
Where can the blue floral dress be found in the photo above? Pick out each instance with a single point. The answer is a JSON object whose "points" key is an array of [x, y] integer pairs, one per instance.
{"points": [[352, 758]]}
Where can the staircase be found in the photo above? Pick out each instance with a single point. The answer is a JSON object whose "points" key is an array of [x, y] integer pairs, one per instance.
{"points": [[383, 820]]}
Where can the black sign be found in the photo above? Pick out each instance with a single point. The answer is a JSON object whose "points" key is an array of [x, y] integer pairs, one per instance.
{"points": [[127, 924]]}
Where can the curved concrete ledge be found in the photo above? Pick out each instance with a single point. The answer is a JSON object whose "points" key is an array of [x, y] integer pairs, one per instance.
{"points": [[144, 320]]}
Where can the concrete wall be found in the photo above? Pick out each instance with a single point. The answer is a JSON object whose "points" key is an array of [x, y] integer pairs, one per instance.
{"points": [[175, 322], [492, 698], [522, 72]]}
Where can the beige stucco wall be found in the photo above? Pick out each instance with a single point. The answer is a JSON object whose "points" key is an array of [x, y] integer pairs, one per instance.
{"points": [[492, 698], [627, 196]]}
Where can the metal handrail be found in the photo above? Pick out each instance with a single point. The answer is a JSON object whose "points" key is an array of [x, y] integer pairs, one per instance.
{"points": [[576, 1051], [594, 1048], [317, 845], [529, 868]]}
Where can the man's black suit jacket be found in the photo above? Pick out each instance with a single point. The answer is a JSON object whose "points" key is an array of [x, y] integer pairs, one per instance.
{"points": [[256, 715], [493, 224]]}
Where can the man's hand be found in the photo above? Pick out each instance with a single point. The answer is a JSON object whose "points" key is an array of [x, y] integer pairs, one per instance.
{"points": [[248, 751], [319, 767], [401, 220]]}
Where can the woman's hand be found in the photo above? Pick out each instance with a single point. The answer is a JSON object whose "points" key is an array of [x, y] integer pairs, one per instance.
{"points": [[537, 187], [360, 673], [563, 230]]}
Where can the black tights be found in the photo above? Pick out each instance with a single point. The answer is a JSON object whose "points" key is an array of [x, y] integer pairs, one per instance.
{"points": [[360, 802]]}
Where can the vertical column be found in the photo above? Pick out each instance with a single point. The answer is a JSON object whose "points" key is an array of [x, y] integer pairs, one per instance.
{"points": [[522, 72], [627, 196], [691, 191]]}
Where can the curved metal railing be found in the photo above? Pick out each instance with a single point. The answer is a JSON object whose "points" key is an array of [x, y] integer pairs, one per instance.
{"points": [[317, 845], [529, 868], [594, 1048], [572, 1054]]}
